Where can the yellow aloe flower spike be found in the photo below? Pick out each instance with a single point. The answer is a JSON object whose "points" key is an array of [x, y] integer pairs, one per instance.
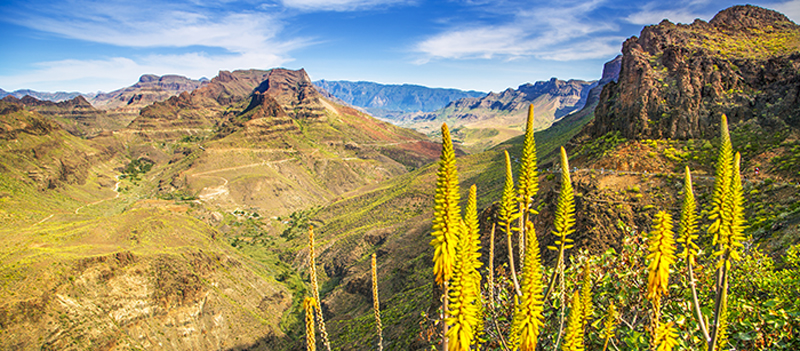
{"points": [[609, 324], [315, 289], [376, 305], [309, 304], [565, 209], [687, 234], [506, 215], [528, 318], [721, 180], [464, 297], [446, 214], [661, 256], [732, 231], [574, 339], [528, 183], [666, 337]]}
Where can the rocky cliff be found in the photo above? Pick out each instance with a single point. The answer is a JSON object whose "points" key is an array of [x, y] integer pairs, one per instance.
{"points": [[77, 115], [677, 79], [149, 89]]}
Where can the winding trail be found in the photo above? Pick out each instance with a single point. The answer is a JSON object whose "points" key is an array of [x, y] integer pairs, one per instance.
{"points": [[116, 190]]}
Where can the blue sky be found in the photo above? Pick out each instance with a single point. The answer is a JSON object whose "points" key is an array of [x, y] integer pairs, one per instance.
{"points": [[88, 46]]}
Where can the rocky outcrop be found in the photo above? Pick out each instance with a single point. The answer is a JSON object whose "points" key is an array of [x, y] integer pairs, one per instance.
{"points": [[149, 89], [229, 100], [676, 80], [77, 116]]}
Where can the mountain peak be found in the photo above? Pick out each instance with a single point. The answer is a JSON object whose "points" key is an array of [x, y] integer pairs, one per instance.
{"points": [[676, 80], [750, 17], [146, 78]]}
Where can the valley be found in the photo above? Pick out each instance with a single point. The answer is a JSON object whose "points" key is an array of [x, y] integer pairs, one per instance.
{"points": [[174, 214]]}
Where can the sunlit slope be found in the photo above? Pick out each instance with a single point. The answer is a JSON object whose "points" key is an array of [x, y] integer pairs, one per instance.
{"points": [[278, 148], [83, 266]]}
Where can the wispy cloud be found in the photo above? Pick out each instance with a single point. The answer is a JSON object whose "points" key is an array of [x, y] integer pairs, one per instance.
{"points": [[791, 9], [341, 5], [153, 24], [215, 38], [116, 72], [554, 32]]}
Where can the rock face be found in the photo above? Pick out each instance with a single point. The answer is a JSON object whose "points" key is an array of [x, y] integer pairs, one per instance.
{"points": [[226, 101], [77, 116], [676, 80], [149, 89]]}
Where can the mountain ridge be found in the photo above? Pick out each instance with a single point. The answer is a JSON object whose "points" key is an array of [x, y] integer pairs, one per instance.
{"points": [[388, 100]]}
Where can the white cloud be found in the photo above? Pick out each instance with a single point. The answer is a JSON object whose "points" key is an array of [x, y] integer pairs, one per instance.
{"points": [[117, 72], [791, 9], [235, 40], [595, 48], [554, 33], [485, 42], [155, 25], [339, 5]]}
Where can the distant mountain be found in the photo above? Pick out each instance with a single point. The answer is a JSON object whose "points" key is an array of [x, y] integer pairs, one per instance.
{"points": [[55, 97], [482, 122], [77, 116], [388, 101], [149, 89]]}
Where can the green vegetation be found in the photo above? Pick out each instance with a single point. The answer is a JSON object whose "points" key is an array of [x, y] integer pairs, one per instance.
{"points": [[668, 322]]}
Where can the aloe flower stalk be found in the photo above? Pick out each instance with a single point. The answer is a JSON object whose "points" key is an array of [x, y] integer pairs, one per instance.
{"points": [[574, 338], [721, 180], [446, 223], [564, 221], [661, 256], [309, 305], [464, 299], [447, 214], [609, 324], [506, 216], [528, 318], [315, 288], [666, 337], [376, 305], [528, 183], [687, 235]]}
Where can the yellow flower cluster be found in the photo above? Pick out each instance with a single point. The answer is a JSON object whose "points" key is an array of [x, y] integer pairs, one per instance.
{"points": [[661, 256], [447, 214]]}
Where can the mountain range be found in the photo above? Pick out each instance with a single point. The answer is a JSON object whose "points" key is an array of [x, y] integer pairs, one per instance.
{"points": [[389, 101], [54, 97]]}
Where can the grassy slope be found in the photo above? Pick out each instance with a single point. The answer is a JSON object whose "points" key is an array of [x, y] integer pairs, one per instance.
{"points": [[83, 268], [393, 219]]}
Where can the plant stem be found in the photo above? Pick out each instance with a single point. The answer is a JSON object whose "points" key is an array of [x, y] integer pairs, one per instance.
{"points": [[511, 261], [700, 320], [722, 288], [445, 296]]}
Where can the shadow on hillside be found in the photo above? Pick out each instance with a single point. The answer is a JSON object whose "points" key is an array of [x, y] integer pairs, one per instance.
{"points": [[271, 343]]}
